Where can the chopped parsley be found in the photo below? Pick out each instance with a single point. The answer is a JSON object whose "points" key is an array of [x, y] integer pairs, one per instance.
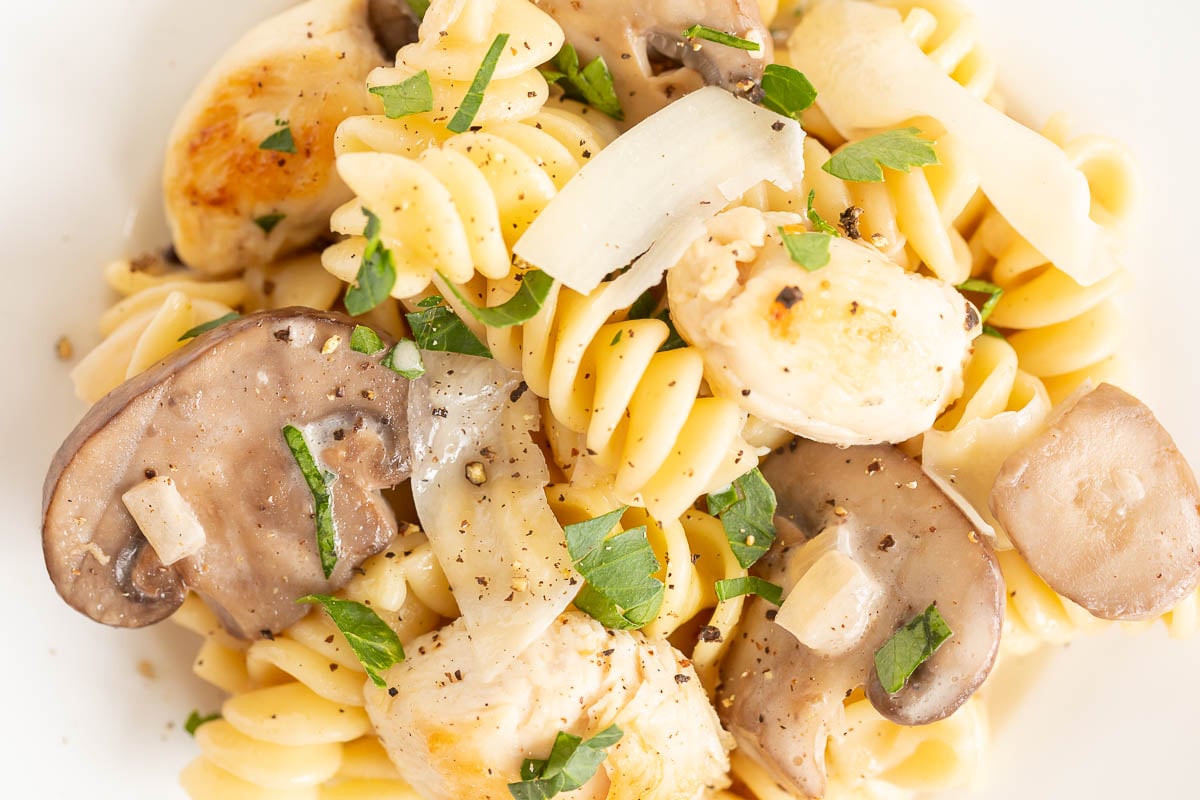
{"points": [[901, 149], [365, 340], [572, 763], [267, 222], [376, 645], [816, 219], [518, 309], [621, 591], [720, 37], [419, 7], [747, 512], [196, 719], [736, 587], [318, 483], [405, 358], [909, 648], [786, 90], [592, 85], [280, 141], [993, 292], [474, 97], [809, 250], [674, 340], [376, 274], [411, 96], [995, 333], [437, 327], [192, 333]]}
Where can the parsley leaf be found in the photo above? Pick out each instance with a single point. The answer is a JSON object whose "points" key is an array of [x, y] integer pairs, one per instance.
{"points": [[786, 90], [809, 250], [405, 358], [736, 587], [720, 37], [909, 648], [816, 219], [365, 340], [621, 590], [376, 274], [572, 763], [318, 483], [437, 327], [747, 512], [376, 645], [674, 340], [518, 309], [988, 330], [993, 292], [643, 307], [280, 141], [192, 333], [419, 7], [474, 97], [268, 221], [900, 149], [195, 720], [411, 96], [592, 85]]}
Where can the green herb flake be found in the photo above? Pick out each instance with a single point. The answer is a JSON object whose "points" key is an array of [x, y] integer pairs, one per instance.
{"points": [[909, 648], [900, 149], [616, 338], [786, 90], [267, 222], [437, 327], [376, 274], [405, 358], [747, 512], [809, 250], [816, 219], [192, 333], [643, 307], [621, 590], [318, 483], [411, 96], [280, 141], [736, 587], [419, 7], [365, 340], [674, 340], [377, 646], [720, 37], [592, 85], [196, 719], [518, 309], [993, 292], [572, 763], [995, 333], [474, 97]]}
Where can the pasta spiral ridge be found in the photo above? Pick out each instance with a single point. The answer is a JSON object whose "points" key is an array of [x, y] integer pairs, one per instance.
{"points": [[947, 32], [295, 726]]}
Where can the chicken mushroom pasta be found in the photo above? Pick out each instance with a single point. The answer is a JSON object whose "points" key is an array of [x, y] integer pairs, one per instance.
{"points": [[641, 400]]}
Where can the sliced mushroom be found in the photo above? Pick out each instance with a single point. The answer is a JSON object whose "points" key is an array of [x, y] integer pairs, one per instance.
{"points": [[210, 417], [231, 202], [1105, 508], [781, 699], [393, 23], [652, 63]]}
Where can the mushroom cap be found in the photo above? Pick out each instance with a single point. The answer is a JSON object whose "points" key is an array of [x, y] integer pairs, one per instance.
{"points": [[781, 699], [210, 417], [1105, 508], [631, 34]]}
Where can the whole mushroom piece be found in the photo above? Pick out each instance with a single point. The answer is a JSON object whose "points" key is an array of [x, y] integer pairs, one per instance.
{"points": [[1105, 508], [651, 61], [912, 545], [199, 437]]}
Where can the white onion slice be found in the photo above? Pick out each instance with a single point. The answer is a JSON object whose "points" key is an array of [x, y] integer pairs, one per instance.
{"points": [[656, 185], [499, 543], [165, 519], [871, 75]]}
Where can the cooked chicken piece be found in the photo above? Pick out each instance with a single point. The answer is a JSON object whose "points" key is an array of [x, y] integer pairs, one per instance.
{"points": [[233, 203], [454, 735], [856, 352]]}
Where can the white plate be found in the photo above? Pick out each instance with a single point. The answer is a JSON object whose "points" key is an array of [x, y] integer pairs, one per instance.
{"points": [[90, 90]]}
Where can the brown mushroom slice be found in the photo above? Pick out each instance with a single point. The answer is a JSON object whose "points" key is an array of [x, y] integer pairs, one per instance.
{"points": [[1105, 508], [210, 417], [394, 24], [783, 699], [636, 37]]}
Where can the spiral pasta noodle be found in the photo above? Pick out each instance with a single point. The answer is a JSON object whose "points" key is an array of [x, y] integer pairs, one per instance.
{"points": [[294, 726]]}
